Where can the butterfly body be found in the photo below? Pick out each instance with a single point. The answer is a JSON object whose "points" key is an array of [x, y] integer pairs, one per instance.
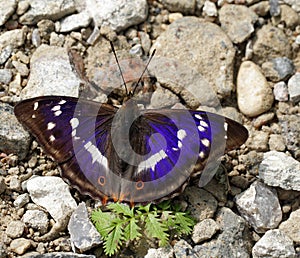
{"points": [[127, 154]]}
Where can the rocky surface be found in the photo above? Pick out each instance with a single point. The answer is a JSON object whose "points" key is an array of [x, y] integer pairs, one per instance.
{"points": [[238, 57]]}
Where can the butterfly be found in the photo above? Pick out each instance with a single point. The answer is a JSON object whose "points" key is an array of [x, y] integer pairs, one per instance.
{"points": [[128, 154]]}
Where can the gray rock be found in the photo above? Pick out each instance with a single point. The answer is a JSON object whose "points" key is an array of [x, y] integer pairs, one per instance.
{"points": [[166, 252], [119, 14], [237, 21], [163, 98], [279, 169], [183, 250], [5, 76], [274, 8], [5, 53], [280, 91], [2, 185], [276, 142], [258, 140], [212, 59], [261, 8], [15, 229], [278, 69], [291, 227], [252, 87], [14, 38], [289, 17], [295, 4], [20, 245], [13, 137], [50, 67], [204, 230], [21, 200], [291, 131], [37, 220], [259, 205], [263, 119], [21, 68], [274, 244], [183, 6], [294, 88], [53, 194], [75, 21], [234, 238], [202, 204], [51, 9], [84, 235], [270, 42], [210, 9], [7, 9]]}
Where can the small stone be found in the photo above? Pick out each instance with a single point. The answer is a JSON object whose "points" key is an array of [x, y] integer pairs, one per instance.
{"points": [[260, 96], [32, 162], [278, 69], [204, 230], [21, 68], [271, 42], [281, 91], [21, 200], [182, 6], [202, 204], [84, 235], [274, 244], [15, 183], [15, 229], [261, 8], [2, 185], [5, 53], [276, 142], [5, 76], [53, 194], [50, 66], [14, 38], [37, 220], [75, 21], [35, 37], [20, 245], [51, 9], [145, 41], [258, 141], [183, 249], [7, 9], [118, 14], [291, 227], [237, 21], [210, 9], [174, 16], [166, 252], [289, 16], [259, 205], [263, 119], [294, 88], [279, 169]]}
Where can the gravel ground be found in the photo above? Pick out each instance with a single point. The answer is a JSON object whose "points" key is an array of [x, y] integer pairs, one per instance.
{"points": [[240, 58]]}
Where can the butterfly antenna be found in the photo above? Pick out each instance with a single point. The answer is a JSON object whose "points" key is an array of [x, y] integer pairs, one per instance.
{"points": [[113, 50], [149, 60]]}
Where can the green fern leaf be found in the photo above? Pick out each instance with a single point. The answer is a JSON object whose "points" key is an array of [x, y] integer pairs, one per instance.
{"points": [[113, 240], [156, 229], [132, 230], [121, 208], [102, 221], [184, 223]]}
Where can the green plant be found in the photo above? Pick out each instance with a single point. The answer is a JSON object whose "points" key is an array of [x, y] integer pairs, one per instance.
{"points": [[120, 223]]}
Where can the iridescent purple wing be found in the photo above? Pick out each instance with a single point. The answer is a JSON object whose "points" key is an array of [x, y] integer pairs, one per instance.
{"points": [[126, 154]]}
